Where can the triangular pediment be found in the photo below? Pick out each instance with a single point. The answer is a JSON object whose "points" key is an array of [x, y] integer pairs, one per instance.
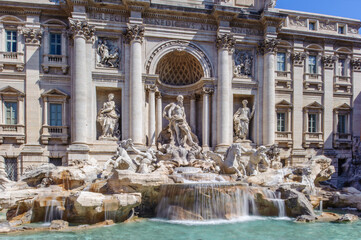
{"points": [[11, 91], [54, 93], [314, 105], [344, 106], [284, 103]]}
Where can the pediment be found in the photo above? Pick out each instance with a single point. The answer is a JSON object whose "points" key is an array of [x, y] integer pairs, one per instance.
{"points": [[314, 105], [11, 91], [344, 106], [284, 103], [55, 93]]}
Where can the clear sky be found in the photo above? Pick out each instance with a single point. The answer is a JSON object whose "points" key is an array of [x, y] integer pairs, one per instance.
{"points": [[341, 8]]}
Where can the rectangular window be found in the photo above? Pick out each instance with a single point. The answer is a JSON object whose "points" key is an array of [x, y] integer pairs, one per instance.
{"points": [[11, 110], [312, 123], [11, 168], [55, 114], [341, 67], [56, 161], [312, 66], [281, 62], [281, 122], [312, 26], [341, 30], [11, 41], [55, 44], [341, 126]]}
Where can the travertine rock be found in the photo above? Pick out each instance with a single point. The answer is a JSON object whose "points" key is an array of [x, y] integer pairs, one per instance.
{"points": [[35, 175], [58, 224], [296, 203], [347, 218]]}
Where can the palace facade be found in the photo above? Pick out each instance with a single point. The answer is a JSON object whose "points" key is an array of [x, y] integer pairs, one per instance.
{"points": [[59, 60]]}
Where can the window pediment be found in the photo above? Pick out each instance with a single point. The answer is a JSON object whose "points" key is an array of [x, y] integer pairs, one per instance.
{"points": [[343, 107], [284, 104], [55, 93], [10, 91], [314, 105]]}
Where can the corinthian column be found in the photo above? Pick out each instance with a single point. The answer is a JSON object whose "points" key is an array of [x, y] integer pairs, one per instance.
{"points": [[134, 36], [81, 32], [268, 48], [205, 117], [225, 45], [151, 127]]}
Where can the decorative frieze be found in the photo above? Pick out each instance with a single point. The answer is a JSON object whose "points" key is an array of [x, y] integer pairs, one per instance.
{"points": [[298, 58], [269, 45], [327, 26], [81, 28], [298, 22], [32, 35], [108, 53], [225, 41], [243, 63], [134, 33], [356, 64], [328, 61]]}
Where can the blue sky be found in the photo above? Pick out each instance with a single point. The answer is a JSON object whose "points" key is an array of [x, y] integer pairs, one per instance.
{"points": [[341, 8]]}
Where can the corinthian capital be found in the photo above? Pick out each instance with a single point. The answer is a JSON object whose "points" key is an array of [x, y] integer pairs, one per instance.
{"points": [[81, 28], [269, 45], [32, 36], [134, 33], [225, 41]]}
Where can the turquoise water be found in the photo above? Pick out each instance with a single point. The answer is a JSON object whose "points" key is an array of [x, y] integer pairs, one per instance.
{"points": [[252, 229]]}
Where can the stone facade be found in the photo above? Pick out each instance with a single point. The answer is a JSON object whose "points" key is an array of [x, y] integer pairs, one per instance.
{"points": [[59, 61]]}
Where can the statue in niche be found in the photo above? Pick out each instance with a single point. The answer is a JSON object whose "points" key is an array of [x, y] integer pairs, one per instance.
{"points": [[108, 119], [241, 121], [108, 54], [243, 62], [178, 132]]}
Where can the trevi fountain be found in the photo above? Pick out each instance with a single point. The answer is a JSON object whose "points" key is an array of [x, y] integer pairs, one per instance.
{"points": [[179, 191]]}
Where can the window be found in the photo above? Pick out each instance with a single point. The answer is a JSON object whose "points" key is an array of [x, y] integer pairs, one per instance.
{"points": [[312, 66], [281, 122], [312, 123], [56, 161], [312, 26], [341, 125], [11, 41], [11, 113], [55, 44], [11, 168], [281, 62], [342, 67], [56, 114], [341, 29]]}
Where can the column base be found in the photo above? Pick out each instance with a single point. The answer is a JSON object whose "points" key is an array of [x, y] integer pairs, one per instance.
{"points": [[77, 153]]}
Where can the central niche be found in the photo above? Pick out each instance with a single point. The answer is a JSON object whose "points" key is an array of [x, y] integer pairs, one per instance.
{"points": [[179, 68]]}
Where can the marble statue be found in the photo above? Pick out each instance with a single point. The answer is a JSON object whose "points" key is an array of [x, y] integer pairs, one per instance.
{"points": [[241, 121], [108, 119], [243, 62], [145, 160], [258, 156], [109, 54], [180, 132], [273, 154], [121, 160], [270, 4]]}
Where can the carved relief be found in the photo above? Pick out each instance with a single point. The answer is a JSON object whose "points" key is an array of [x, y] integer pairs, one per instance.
{"points": [[328, 61], [32, 35], [327, 26], [353, 30], [356, 64], [243, 63], [269, 45], [81, 28], [134, 33], [298, 22], [108, 54], [225, 41], [298, 58]]}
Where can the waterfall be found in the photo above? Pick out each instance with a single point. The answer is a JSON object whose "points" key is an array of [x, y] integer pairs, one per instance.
{"points": [[53, 211], [205, 201], [277, 201]]}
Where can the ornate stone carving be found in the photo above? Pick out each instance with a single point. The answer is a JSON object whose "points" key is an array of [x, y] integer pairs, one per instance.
{"points": [[356, 64], [134, 33], [258, 156], [243, 63], [81, 28], [108, 119], [32, 35], [327, 26], [269, 45], [241, 121], [108, 54], [298, 22], [298, 58], [270, 4], [225, 41], [121, 160], [151, 87], [328, 61], [206, 90]]}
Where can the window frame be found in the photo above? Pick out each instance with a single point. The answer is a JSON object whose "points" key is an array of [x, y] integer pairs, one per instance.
{"points": [[315, 66], [281, 123], [13, 43], [312, 123], [56, 119], [284, 62], [12, 112], [57, 44]]}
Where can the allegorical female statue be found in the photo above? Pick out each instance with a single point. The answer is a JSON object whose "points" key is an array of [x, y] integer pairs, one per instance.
{"points": [[241, 121], [108, 119]]}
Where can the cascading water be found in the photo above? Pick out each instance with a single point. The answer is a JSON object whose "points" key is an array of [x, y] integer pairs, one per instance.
{"points": [[277, 201], [205, 201], [53, 211]]}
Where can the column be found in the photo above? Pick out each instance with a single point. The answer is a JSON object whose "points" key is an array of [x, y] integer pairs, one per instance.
{"points": [[45, 111], [134, 37], [21, 110], [214, 117], [205, 117], [268, 47], [192, 115], [81, 32], [151, 127], [225, 44], [159, 117]]}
